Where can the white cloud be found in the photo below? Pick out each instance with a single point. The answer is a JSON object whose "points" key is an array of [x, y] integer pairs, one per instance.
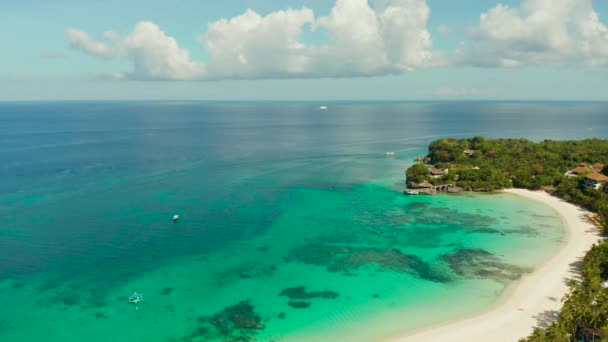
{"points": [[538, 32], [390, 37], [356, 43], [82, 41], [253, 46], [154, 54], [405, 35]]}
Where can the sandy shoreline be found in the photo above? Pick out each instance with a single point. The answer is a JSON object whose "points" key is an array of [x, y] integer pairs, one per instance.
{"points": [[516, 315]]}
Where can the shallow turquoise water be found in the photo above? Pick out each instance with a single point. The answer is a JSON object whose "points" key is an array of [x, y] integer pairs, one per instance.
{"points": [[272, 197], [258, 267]]}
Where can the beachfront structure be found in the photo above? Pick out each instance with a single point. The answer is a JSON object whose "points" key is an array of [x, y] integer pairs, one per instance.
{"points": [[425, 185], [426, 188], [595, 181]]}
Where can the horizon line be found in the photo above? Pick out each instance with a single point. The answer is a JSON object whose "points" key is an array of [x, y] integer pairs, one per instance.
{"points": [[305, 100]]}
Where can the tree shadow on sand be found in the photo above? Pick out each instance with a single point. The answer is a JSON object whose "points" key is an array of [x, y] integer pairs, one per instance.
{"points": [[546, 318]]}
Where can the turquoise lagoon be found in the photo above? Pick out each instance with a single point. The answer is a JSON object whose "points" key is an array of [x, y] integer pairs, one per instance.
{"points": [[293, 223]]}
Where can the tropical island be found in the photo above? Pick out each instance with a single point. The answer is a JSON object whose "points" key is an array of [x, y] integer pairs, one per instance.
{"points": [[571, 177]]}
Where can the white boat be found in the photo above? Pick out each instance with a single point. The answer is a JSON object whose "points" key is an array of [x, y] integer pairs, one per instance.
{"points": [[411, 192], [323, 107], [175, 218], [390, 153], [136, 298]]}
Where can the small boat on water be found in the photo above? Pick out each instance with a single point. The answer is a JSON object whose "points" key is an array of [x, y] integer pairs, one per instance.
{"points": [[175, 218], [136, 298], [411, 192], [323, 107], [390, 153]]}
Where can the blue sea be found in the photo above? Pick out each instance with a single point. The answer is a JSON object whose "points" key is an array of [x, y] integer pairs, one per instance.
{"points": [[293, 225]]}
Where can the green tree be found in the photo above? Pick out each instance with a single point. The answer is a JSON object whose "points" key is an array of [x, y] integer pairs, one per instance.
{"points": [[417, 173]]}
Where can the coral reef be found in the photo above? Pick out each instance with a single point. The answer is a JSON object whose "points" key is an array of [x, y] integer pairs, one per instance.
{"points": [[337, 258], [237, 322], [479, 263], [301, 293], [299, 305]]}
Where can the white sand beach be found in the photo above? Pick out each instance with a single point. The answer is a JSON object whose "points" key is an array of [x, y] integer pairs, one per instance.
{"points": [[535, 295]]}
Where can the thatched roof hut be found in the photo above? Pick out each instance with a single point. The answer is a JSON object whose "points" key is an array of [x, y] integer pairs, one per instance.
{"points": [[597, 177], [582, 168], [438, 172], [425, 185]]}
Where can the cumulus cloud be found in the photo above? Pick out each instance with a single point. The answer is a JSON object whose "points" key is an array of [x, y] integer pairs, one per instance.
{"points": [[363, 40], [80, 40], [255, 46], [538, 32], [154, 54]]}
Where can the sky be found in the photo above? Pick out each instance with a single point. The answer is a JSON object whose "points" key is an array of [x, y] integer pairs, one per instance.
{"points": [[304, 50]]}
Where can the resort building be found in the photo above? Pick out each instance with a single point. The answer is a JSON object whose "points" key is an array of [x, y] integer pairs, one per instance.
{"points": [[437, 173], [598, 167], [581, 169], [595, 180]]}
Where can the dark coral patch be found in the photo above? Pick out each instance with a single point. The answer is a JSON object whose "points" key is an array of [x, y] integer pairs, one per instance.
{"points": [[246, 270], [479, 263], [301, 293], [299, 305], [345, 259], [166, 291], [237, 322]]}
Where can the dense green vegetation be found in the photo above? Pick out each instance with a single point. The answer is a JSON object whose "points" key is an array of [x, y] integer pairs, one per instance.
{"points": [[490, 165], [519, 163], [527, 164], [417, 173]]}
